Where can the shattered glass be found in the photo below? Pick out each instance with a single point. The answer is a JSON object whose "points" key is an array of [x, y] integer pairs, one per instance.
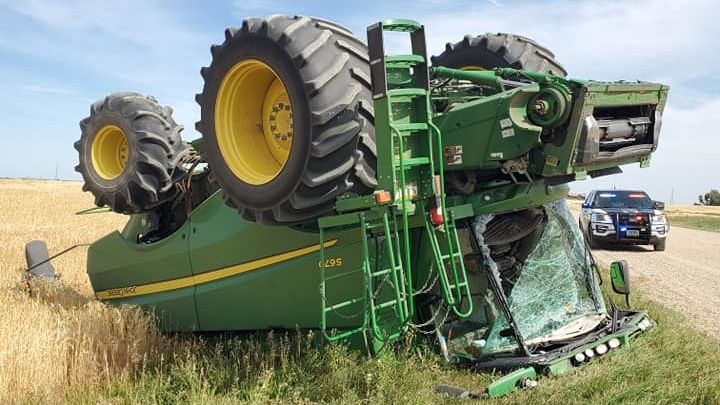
{"points": [[556, 286], [467, 337]]}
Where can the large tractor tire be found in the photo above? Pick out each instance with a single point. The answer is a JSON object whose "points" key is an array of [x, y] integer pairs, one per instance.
{"points": [[491, 50], [130, 151], [287, 118]]}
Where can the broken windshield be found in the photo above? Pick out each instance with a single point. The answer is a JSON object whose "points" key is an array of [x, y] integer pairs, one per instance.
{"points": [[556, 285], [552, 292]]}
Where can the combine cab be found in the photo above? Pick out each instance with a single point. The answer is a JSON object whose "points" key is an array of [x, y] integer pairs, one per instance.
{"points": [[368, 195]]}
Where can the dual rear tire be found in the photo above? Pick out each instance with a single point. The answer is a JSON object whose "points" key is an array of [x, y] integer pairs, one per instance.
{"points": [[287, 118]]}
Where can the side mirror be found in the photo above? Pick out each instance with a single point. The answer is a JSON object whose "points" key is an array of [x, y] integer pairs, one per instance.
{"points": [[585, 205], [620, 277], [659, 205]]}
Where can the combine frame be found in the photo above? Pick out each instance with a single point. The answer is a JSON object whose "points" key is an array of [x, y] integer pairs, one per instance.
{"points": [[466, 211]]}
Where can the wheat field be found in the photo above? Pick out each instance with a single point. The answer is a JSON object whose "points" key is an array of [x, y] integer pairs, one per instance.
{"points": [[57, 336]]}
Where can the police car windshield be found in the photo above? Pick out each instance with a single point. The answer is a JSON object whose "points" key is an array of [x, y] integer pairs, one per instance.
{"points": [[622, 199]]}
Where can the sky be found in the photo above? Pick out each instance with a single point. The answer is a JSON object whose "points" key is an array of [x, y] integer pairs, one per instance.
{"points": [[58, 56]]}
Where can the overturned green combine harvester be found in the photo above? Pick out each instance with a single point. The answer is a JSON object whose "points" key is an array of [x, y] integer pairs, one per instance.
{"points": [[368, 195]]}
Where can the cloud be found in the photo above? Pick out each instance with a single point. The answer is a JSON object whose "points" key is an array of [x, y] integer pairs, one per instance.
{"points": [[134, 42], [58, 56], [607, 40], [48, 89], [604, 40], [145, 23]]}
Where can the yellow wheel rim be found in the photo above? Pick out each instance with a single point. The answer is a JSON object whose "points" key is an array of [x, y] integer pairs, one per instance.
{"points": [[253, 122], [109, 152]]}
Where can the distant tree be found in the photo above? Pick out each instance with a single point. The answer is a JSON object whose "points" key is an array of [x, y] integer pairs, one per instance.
{"points": [[710, 198]]}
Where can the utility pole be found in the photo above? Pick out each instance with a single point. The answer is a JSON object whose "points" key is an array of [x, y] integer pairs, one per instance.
{"points": [[56, 171]]}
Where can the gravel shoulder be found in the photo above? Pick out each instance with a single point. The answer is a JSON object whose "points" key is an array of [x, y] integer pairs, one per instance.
{"points": [[685, 277]]}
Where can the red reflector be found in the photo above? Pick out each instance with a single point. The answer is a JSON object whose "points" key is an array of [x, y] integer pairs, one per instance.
{"points": [[383, 197], [436, 216]]}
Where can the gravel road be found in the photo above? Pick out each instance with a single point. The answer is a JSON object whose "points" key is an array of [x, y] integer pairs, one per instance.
{"points": [[685, 277]]}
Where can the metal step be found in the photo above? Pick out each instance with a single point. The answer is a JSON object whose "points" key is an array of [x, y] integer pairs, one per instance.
{"points": [[412, 127], [344, 304], [386, 304], [401, 25], [412, 162], [407, 92], [404, 60]]}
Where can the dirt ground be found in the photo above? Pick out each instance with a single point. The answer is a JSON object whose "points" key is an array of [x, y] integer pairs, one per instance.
{"points": [[685, 277]]}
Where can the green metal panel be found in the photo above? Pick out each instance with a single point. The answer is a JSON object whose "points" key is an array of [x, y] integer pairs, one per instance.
{"points": [[175, 309], [509, 382], [281, 295], [561, 367], [509, 197], [490, 130], [115, 263]]}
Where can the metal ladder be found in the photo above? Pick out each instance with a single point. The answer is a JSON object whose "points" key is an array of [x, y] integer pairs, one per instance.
{"points": [[401, 95], [407, 146], [385, 317], [450, 267]]}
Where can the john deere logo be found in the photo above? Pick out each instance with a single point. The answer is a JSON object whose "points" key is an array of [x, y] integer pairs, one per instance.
{"points": [[115, 292]]}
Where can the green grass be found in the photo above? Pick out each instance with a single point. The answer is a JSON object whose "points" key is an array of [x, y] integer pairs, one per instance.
{"points": [[673, 363], [702, 222]]}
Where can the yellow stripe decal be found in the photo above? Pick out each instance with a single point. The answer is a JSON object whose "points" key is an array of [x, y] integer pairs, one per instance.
{"points": [[169, 285]]}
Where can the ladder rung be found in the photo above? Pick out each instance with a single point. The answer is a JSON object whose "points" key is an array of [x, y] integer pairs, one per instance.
{"points": [[386, 304], [341, 275], [385, 271], [418, 161], [415, 126], [462, 284], [407, 60], [411, 92], [380, 272], [345, 304], [455, 255], [401, 25], [343, 335]]}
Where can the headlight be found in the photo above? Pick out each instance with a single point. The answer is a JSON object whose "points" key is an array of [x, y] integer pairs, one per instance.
{"points": [[659, 219], [601, 217]]}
